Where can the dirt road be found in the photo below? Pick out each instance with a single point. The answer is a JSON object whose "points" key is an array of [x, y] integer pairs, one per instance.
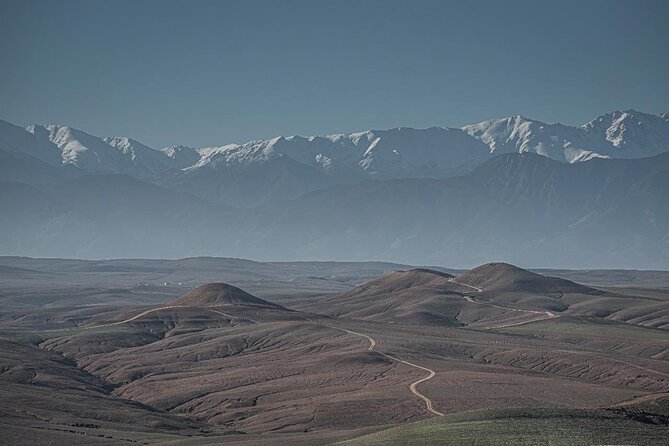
{"points": [[167, 307], [414, 385], [549, 314], [465, 285], [372, 344]]}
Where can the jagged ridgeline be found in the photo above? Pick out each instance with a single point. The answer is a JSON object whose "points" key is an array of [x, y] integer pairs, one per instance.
{"points": [[596, 196]]}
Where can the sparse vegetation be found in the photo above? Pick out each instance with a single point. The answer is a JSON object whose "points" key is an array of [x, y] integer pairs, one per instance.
{"points": [[220, 364], [554, 427]]}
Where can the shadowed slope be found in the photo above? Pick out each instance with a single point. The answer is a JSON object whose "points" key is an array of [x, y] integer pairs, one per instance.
{"points": [[46, 399]]}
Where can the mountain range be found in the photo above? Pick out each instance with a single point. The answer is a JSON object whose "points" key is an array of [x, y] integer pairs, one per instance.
{"points": [[510, 189], [258, 172]]}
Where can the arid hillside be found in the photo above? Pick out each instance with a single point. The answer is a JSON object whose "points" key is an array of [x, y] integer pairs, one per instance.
{"points": [[417, 350]]}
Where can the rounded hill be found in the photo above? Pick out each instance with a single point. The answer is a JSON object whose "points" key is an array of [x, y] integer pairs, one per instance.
{"points": [[502, 277], [402, 280], [213, 294]]}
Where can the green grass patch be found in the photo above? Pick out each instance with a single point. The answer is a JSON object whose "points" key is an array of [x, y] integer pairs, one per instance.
{"points": [[553, 427]]}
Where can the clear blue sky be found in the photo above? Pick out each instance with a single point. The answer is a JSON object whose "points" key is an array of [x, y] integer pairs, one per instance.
{"points": [[213, 72]]}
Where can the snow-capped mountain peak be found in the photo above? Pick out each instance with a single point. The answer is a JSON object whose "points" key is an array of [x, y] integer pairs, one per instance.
{"points": [[630, 133], [619, 134], [182, 156], [100, 155], [17, 139], [401, 152], [298, 164], [520, 134], [78, 148]]}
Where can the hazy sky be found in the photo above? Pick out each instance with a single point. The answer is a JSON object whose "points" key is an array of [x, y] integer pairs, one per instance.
{"points": [[213, 72]]}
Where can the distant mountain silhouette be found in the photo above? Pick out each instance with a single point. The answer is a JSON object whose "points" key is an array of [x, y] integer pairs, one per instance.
{"points": [[524, 208]]}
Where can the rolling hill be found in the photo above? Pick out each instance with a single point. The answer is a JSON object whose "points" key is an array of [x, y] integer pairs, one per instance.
{"points": [[213, 294], [495, 295], [506, 278], [218, 364]]}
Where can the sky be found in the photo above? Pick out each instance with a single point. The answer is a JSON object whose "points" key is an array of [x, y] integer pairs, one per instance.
{"points": [[204, 73]]}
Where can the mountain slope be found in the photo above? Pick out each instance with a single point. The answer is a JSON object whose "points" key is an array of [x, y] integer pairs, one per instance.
{"points": [[620, 134], [16, 139], [261, 171], [253, 184], [631, 134], [104, 156], [401, 152], [105, 216], [19, 166], [526, 209], [556, 141], [34, 222], [523, 208], [72, 149]]}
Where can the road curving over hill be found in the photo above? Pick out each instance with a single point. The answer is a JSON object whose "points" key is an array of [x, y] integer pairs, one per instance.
{"points": [[167, 307], [413, 386], [549, 314]]}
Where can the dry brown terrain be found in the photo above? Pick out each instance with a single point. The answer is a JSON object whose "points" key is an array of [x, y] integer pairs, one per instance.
{"points": [[219, 364]]}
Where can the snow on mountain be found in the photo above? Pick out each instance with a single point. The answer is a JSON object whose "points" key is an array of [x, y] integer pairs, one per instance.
{"points": [[17, 139], [395, 153], [259, 172], [182, 156], [295, 164], [98, 155], [631, 134], [519, 134], [79, 148], [153, 160], [253, 152], [620, 134]]}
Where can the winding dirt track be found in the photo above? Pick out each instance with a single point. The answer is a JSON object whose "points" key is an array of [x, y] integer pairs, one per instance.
{"points": [[372, 344], [167, 307], [549, 314], [465, 285], [413, 386]]}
